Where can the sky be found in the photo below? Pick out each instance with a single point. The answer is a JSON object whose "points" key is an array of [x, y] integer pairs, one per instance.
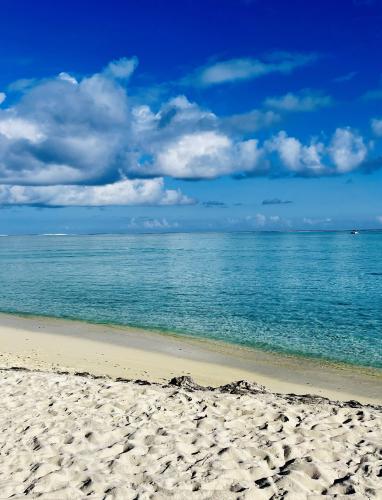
{"points": [[192, 115]]}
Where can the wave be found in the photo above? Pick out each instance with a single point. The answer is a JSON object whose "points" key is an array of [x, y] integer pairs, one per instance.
{"points": [[54, 234]]}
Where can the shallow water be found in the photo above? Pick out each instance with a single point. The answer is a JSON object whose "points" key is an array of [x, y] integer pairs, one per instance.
{"points": [[313, 294]]}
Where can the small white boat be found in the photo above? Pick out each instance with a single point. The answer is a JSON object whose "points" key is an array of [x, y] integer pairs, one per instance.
{"points": [[354, 231]]}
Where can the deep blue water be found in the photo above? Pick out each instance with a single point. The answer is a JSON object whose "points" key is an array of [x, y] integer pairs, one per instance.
{"points": [[315, 294]]}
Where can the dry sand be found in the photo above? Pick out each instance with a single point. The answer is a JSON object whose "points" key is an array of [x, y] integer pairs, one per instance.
{"points": [[71, 437]]}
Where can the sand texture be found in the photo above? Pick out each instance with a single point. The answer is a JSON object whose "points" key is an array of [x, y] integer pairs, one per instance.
{"points": [[50, 344], [70, 436]]}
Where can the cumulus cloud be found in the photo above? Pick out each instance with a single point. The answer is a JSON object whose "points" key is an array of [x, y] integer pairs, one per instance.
{"points": [[296, 157], [347, 150], [124, 192], [240, 69], [2, 97], [175, 117], [185, 141], [15, 128], [304, 101], [205, 155], [83, 140], [64, 132], [376, 126]]}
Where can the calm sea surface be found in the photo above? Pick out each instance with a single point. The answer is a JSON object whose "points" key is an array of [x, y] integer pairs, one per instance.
{"points": [[313, 294]]}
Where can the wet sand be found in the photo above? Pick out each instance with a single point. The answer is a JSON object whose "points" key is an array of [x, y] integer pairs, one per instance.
{"points": [[53, 344]]}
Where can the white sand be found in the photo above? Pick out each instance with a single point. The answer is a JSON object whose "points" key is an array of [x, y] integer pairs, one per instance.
{"points": [[49, 344], [67, 436], [72, 437]]}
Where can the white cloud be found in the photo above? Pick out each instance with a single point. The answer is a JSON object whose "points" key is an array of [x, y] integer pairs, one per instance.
{"points": [[159, 224], [61, 132], [175, 116], [185, 141], [2, 97], [87, 134], [67, 78], [304, 101], [379, 218], [124, 192], [263, 221], [297, 157], [247, 68], [14, 128], [347, 150], [256, 220], [376, 126], [121, 69], [191, 154], [206, 155], [260, 219], [152, 224], [68, 132]]}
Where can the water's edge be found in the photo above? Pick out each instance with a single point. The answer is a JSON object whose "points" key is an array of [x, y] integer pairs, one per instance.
{"points": [[209, 342]]}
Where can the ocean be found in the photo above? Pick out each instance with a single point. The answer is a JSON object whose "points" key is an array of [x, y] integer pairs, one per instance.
{"points": [[314, 294]]}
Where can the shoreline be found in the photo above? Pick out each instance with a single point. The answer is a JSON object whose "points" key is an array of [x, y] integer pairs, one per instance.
{"points": [[39, 342], [211, 342]]}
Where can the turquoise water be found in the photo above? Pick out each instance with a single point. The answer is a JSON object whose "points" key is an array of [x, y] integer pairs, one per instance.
{"points": [[313, 294]]}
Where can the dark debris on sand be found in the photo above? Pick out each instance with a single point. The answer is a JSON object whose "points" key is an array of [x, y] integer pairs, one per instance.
{"points": [[241, 387]]}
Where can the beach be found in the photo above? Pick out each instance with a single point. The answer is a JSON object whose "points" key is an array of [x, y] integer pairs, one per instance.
{"points": [[107, 412], [73, 436], [37, 342], [190, 250]]}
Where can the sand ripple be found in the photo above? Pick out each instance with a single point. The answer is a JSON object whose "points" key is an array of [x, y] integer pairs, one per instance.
{"points": [[68, 436]]}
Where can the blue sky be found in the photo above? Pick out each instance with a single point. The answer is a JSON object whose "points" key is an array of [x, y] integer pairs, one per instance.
{"points": [[129, 116]]}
